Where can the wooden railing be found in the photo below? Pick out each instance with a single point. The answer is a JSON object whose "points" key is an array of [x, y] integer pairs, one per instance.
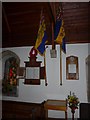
{"points": [[22, 110]]}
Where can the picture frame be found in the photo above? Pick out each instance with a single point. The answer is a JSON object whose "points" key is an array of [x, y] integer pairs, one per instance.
{"points": [[72, 70], [20, 72]]}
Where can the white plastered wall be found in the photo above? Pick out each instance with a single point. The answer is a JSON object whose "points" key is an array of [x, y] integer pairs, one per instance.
{"points": [[39, 93]]}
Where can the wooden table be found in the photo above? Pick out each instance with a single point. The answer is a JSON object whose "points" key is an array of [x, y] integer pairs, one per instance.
{"points": [[60, 105]]}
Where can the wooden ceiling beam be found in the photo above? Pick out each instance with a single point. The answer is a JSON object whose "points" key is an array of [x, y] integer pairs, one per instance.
{"points": [[6, 20], [50, 11]]}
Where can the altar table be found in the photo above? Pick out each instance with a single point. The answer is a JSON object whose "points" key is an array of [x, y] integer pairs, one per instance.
{"points": [[60, 105]]}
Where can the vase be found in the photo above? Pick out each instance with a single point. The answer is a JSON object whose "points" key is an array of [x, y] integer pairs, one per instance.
{"points": [[73, 111]]}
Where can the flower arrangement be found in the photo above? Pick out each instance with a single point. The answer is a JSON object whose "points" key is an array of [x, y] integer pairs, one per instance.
{"points": [[73, 101]]}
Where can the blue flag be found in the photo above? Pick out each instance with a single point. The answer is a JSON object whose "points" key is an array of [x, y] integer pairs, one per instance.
{"points": [[59, 33], [41, 37]]}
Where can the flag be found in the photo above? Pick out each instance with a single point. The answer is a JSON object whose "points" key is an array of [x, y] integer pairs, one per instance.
{"points": [[59, 33], [41, 37]]}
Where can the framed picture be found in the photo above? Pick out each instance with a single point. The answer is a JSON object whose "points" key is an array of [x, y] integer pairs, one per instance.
{"points": [[20, 72], [72, 70]]}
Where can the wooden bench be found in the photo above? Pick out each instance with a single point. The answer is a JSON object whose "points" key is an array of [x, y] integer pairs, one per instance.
{"points": [[22, 110]]}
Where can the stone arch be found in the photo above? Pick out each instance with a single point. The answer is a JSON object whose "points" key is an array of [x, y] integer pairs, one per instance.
{"points": [[6, 55]]}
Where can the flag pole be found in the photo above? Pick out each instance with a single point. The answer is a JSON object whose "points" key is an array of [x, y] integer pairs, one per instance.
{"points": [[45, 71], [53, 22], [53, 45], [60, 65]]}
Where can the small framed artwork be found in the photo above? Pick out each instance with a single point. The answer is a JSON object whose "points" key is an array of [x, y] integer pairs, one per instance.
{"points": [[20, 72], [72, 70]]}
